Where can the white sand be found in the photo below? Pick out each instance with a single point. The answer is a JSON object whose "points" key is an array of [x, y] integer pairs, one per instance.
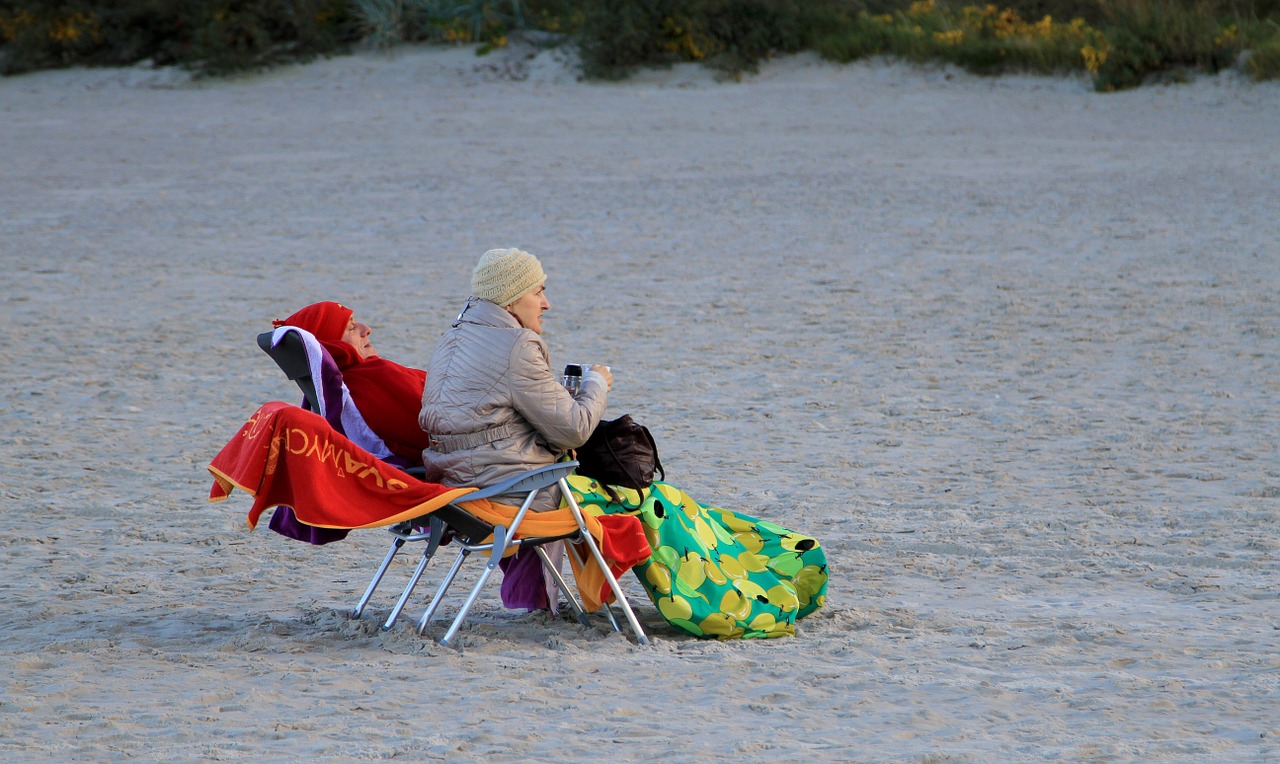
{"points": [[1008, 347]]}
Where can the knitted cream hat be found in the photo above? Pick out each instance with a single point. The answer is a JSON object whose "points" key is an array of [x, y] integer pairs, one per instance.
{"points": [[505, 275]]}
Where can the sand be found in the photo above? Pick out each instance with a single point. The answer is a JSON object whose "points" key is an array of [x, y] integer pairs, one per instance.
{"points": [[1010, 348]]}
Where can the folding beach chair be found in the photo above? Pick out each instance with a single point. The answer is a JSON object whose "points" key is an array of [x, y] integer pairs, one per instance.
{"points": [[498, 541], [452, 523]]}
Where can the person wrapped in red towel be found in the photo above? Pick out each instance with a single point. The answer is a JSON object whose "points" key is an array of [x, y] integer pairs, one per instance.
{"points": [[388, 395]]}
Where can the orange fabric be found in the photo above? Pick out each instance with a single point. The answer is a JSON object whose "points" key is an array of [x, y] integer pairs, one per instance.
{"points": [[624, 545]]}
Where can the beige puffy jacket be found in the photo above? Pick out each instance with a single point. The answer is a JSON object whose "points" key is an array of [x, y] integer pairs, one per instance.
{"points": [[494, 407]]}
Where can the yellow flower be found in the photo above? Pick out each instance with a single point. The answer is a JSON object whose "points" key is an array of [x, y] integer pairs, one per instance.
{"points": [[70, 28], [1227, 37], [921, 8], [681, 39], [1007, 23], [953, 37], [1094, 58]]}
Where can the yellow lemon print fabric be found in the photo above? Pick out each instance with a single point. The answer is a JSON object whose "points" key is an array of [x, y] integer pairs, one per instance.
{"points": [[716, 573]]}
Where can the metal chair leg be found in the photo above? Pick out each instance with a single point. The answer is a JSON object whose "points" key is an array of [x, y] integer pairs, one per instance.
{"points": [[499, 546], [613, 619], [377, 577], [579, 612], [435, 533], [604, 565], [444, 587]]}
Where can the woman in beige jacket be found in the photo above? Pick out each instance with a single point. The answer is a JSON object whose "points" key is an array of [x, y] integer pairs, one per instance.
{"points": [[492, 404]]}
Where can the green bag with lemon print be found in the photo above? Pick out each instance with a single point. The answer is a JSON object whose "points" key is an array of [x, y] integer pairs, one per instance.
{"points": [[715, 573]]}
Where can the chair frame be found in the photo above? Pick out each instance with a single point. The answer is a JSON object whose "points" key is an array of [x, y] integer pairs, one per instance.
{"points": [[469, 532]]}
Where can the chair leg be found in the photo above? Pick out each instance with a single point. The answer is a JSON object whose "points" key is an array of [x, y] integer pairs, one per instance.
{"points": [[377, 578], [613, 619], [604, 565], [502, 541], [563, 586], [435, 533], [499, 546], [444, 587]]}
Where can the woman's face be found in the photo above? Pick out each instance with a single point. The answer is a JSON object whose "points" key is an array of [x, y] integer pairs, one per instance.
{"points": [[528, 310], [357, 336]]}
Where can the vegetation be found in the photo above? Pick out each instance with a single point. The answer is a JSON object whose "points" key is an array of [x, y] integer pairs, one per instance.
{"points": [[212, 36], [1119, 43]]}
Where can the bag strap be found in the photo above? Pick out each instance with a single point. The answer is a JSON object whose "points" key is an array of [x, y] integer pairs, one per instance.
{"points": [[613, 495], [656, 461]]}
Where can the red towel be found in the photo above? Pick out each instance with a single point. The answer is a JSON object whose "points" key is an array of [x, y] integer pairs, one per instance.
{"points": [[284, 455]]}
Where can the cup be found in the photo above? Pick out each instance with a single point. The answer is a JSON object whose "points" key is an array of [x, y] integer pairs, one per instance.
{"points": [[572, 379]]}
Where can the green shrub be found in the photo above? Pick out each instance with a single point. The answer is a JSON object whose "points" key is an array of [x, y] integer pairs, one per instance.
{"points": [[381, 22], [1147, 37], [1121, 43], [850, 39], [385, 23], [1264, 61], [620, 35], [483, 21], [985, 39], [211, 36], [734, 35]]}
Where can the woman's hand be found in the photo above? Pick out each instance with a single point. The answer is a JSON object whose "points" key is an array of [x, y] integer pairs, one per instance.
{"points": [[605, 372]]}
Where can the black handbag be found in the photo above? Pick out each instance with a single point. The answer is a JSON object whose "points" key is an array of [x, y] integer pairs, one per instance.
{"points": [[620, 452]]}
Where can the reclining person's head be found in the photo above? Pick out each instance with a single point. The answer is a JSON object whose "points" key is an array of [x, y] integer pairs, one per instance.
{"points": [[332, 322]]}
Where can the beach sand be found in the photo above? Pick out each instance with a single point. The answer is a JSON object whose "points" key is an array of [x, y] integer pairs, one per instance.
{"points": [[1008, 347]]}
